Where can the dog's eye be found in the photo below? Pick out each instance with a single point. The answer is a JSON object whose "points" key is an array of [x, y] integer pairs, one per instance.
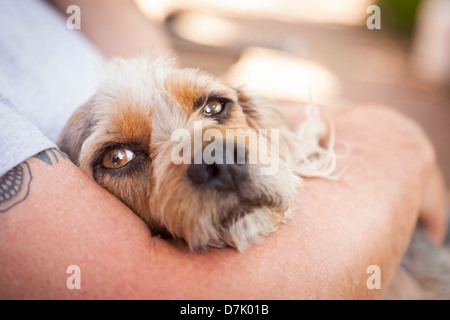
{"points": [[212, 108], [116, 158]]}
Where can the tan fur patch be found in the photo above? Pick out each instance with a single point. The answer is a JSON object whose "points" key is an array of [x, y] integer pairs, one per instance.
{"points": [[132, 123], [184, 90]]}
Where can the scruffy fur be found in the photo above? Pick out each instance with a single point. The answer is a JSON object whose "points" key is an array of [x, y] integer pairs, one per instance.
{"points": [[138, 106]]}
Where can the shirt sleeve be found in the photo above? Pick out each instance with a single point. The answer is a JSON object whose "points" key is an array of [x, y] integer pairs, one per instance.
{"points": [[19, 138]]}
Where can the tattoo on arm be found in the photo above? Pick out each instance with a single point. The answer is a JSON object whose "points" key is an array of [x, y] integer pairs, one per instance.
{"points": [[15, 184], [48, 155]]}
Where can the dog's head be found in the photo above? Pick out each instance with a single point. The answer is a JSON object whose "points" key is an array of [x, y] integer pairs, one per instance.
{"points": [[185, 152]]}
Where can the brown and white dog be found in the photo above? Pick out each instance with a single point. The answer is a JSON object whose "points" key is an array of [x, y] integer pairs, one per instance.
{"points": [[123, 138]]}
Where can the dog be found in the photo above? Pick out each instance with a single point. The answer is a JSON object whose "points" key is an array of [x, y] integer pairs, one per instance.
{"points": [[123, 138]]}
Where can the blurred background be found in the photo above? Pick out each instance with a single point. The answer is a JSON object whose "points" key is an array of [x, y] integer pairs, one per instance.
{"points": [[284, 48]]}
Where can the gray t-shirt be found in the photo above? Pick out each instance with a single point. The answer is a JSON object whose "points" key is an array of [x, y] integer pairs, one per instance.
{"points": [[46, 72]]}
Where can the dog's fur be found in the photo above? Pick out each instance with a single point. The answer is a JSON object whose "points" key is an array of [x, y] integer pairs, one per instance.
{"points": [[139, 105]]}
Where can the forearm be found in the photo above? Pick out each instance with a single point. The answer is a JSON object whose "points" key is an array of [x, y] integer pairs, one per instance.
{"points": [[118, 28], [368, 216], [338, 230], [66, 219]]}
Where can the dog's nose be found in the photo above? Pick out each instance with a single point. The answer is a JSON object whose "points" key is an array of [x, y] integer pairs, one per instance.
{"points": [[226, 174]]}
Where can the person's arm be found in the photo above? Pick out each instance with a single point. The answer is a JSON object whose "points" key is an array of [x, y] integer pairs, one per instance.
{"points": [[434, 210], [118, 28], [338, 229]]}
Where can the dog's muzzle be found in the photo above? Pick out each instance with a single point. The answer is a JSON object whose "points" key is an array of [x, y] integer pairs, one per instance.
{"points": [[224, 169]]}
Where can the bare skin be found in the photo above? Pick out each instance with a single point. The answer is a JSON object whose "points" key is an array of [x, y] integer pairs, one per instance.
{"points": [[117, 27], [338, 228]]}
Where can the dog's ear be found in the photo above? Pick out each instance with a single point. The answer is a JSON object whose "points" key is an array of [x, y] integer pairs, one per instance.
{"points": [[76, 131], [301, 150], [261, 113]]}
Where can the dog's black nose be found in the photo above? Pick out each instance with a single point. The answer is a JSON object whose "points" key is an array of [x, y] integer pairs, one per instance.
{"points": [[222, 175]]}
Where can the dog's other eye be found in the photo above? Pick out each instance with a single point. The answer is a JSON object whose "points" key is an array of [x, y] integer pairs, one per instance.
{"points": [[212, 108], [116, 158]]}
